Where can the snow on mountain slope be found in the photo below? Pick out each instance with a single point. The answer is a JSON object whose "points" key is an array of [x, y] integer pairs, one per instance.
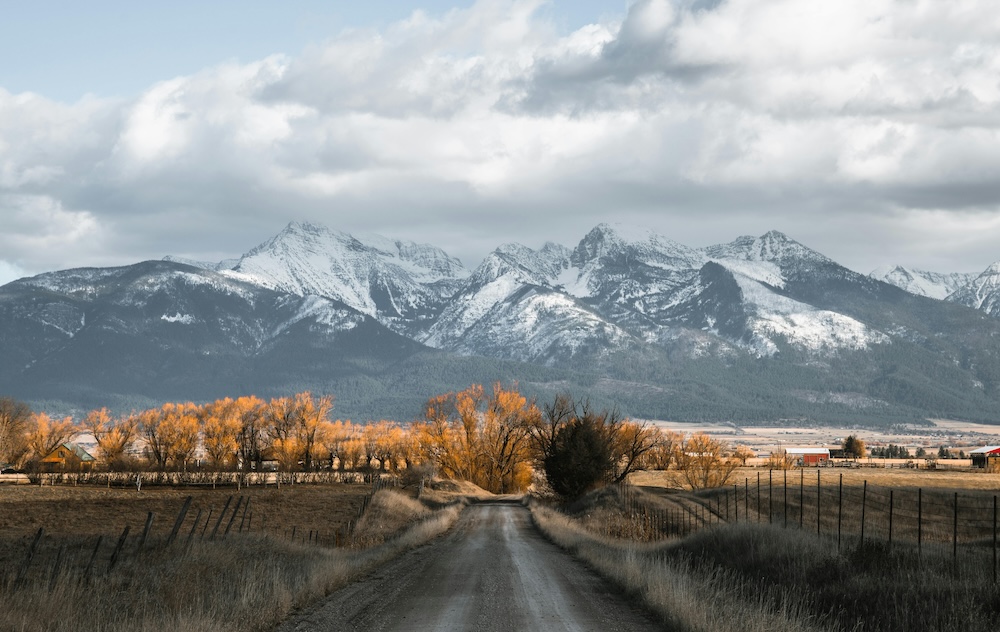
{"points": [[923, 283], [773, 246], [225, 264], [982, 293], [401, 284], [799, 324], [513, 307]]}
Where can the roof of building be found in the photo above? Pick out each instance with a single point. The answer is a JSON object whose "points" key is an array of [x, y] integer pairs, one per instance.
{"points": [[986, 449], [824, 451], [76, 449]]}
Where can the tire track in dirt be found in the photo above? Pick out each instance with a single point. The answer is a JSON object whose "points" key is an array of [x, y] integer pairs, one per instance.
{"points": [[493, 571]]}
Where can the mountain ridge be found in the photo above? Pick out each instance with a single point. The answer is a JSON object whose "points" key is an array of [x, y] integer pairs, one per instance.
{"points": [[758, 328]]}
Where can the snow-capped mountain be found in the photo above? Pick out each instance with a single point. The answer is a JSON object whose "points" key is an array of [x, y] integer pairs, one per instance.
{"points": [[401, 284], [921, 282], [623, 286], [982, 292], [166, 327], [756, 328]]}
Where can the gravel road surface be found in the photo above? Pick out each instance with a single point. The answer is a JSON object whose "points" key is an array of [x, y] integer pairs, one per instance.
{"points": [[492, 571]]}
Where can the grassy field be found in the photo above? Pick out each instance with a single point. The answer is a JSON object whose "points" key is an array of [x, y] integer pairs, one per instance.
{"points": [[760, 575], [243, 581]]}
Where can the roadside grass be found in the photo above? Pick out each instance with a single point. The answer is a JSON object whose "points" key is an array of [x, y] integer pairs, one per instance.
{"points": [[243, 582], [751, 576], [684, 597]]}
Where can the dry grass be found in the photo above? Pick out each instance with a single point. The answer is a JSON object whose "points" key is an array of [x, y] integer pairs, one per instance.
{"points": [[761, 576], [685, 598], [243, 582]]}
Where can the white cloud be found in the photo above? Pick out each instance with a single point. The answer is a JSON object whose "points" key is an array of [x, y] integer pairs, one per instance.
{"points": [[9, 272], [454, 128]]}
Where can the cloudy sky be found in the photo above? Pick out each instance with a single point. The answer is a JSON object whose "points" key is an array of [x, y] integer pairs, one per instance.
{"points": [[866, 129]]}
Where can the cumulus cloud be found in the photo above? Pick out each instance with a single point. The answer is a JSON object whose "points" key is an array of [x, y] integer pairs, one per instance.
{"points": [[703, 119]]}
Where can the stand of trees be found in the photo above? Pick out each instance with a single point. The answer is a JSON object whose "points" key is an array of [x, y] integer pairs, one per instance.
{"points": [[495, 438]]}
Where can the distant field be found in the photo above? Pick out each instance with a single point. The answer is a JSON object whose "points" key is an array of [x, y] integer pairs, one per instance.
{"points": [[854, 477]]}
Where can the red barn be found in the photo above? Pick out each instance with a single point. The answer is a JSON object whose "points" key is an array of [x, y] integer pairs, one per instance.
{"points": [[809, 456]]}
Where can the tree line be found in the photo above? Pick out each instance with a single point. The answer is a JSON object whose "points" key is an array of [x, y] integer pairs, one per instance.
{"points": [[494, 437]]}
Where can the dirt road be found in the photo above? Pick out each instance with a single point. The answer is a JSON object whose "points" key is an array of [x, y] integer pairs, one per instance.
{"points": [[493, 571]]}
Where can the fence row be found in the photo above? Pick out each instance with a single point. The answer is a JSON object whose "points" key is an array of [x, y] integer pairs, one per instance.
{"points": [[851, 514]]}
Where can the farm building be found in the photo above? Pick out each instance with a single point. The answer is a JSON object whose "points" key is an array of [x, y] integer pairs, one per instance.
{"points": [[68, 457], [809, 456], [981, 457]]}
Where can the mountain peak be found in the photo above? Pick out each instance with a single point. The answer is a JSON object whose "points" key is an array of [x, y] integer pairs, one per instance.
{"points": [[921, 282], [773, 246], [636, 242]]}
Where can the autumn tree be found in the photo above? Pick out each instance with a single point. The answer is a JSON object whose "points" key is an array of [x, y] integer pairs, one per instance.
{"points": [[220, 430], [46, 434], [252, 433], [705, 462], [171, 433], [664, 453], [281, 423], [114, 436], [480, 437], [311, 414], [854, 447], [14, 419]]}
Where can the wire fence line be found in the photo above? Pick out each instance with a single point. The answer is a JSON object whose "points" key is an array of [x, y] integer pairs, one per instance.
{"points": [[966, 522]]}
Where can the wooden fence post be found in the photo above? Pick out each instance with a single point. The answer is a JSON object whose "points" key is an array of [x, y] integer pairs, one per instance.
{"points": [[246, 507], [57, 567], [758, 498], [93, 556], [785, 511], [954, 540], [118, 549], [819, 495], [23, 571], [208, 521], [180, 520], [802, 498], [232, 518], [145, 530], [736, 502], [840, 510], [864, 502], [890, 516], [194, 526], [770, 496], [221, 516]]}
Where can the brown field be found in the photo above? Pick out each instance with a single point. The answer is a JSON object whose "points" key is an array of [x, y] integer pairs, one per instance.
{"points": [[242, 581], [84, 512]]}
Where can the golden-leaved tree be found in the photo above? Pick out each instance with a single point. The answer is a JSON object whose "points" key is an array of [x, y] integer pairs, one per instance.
{"points": [[114, 435], [480, 437], [46, 434], [220, 431]]}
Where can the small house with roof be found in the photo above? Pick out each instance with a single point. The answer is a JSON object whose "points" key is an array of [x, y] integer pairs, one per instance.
{"points": [[985, 456], [68, 457]]}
